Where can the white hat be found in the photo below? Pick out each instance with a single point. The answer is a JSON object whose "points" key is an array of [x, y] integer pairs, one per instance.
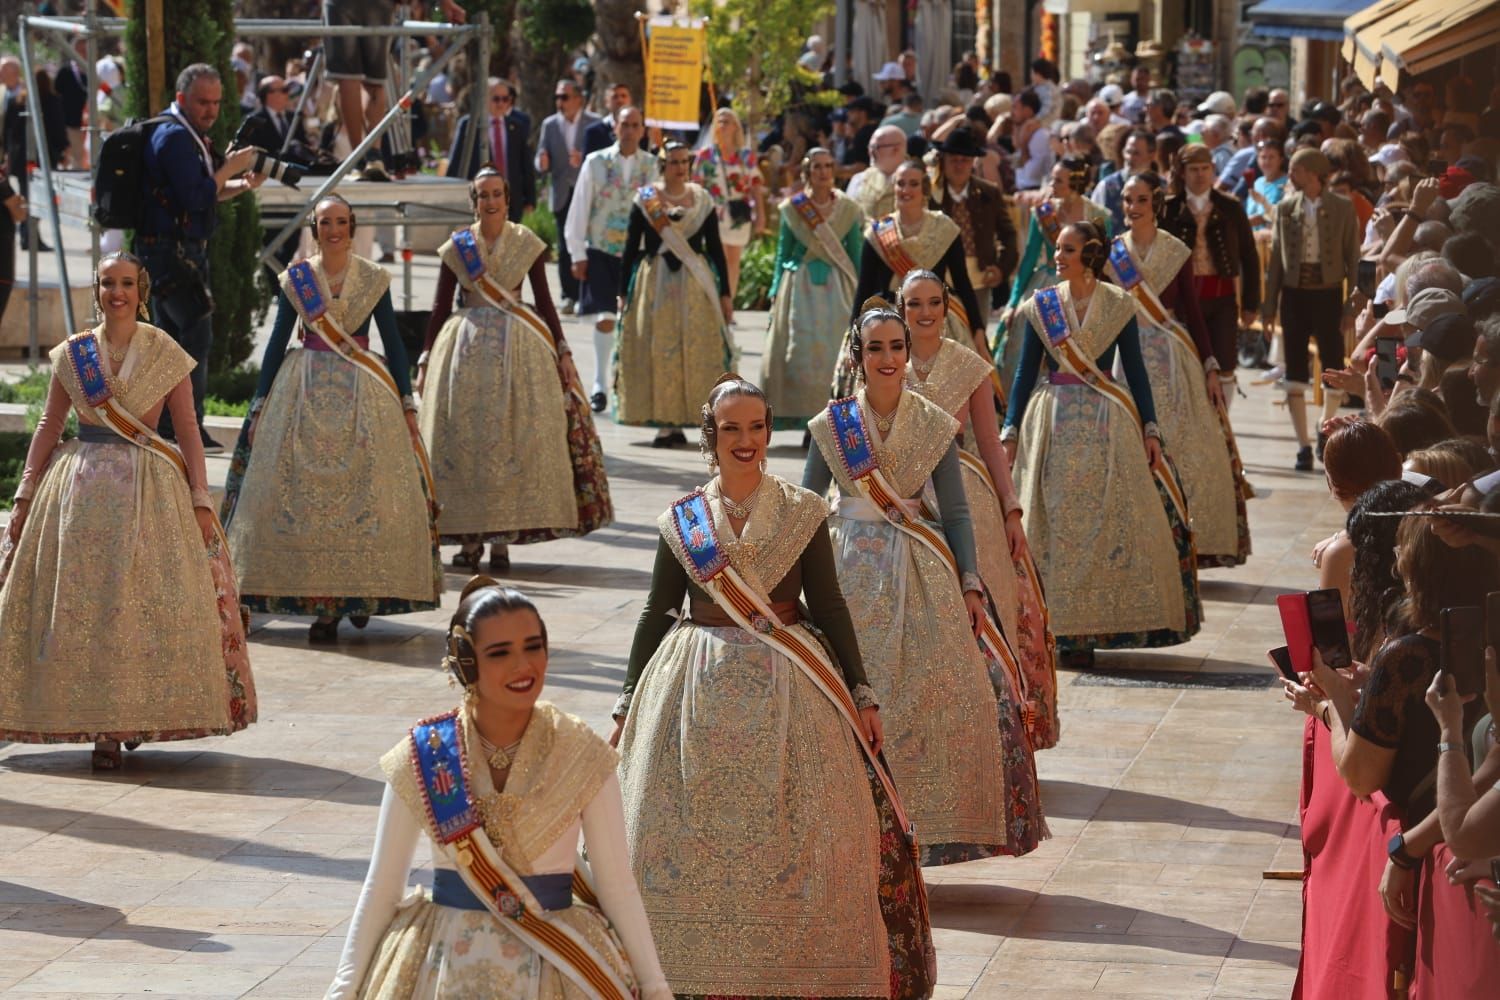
{"points": [[1220, 102], [1112, 94], [890, 71], [1389, 155]]}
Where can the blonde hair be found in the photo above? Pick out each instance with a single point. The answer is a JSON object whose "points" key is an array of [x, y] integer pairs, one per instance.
{"points": [[739, 126]]}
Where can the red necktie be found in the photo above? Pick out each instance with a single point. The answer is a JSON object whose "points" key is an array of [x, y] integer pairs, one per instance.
{"points": [[497, 144]]}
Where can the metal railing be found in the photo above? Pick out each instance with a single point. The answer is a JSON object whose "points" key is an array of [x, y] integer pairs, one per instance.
{"points": [[91, 28]]}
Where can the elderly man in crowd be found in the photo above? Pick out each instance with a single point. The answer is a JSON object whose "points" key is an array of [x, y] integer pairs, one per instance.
{"points": [[1140, 156], [872, 187]]}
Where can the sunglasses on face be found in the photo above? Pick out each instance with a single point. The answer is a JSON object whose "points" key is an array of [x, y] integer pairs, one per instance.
{"points": [[499, 98]]}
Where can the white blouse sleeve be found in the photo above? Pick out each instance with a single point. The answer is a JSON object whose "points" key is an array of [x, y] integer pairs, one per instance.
{"points": [[604, 834], [396, 839]]}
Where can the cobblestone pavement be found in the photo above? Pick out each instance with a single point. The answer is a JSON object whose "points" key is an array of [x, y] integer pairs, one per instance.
{"points": [[228, 867]]}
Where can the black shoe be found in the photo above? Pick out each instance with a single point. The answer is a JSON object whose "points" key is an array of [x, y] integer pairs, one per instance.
{"points": [[499, 561], [676, 438], [210, 446], [323, 633], [359, 621], [597, 402], [662, 442], [466, 560], [1304, 459]]}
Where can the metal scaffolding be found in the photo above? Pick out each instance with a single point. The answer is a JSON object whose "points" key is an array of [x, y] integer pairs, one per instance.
{"points": [[91, 28]]}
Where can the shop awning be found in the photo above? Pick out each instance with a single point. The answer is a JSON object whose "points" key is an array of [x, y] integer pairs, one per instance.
{"points": [[1417, 36], [1322, 20]]}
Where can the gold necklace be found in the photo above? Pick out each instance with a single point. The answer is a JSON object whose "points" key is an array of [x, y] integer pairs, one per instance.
{"points": [[883, 422], [921, 368], [739, 511], [499, 758]]}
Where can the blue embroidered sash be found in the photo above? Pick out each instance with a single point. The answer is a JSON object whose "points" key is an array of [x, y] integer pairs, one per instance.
{"points": [[439, 761], [695, 527], [83, 352], [847, 421], [305, 284], [1125, 270], [468, 252], [1054, 319]]}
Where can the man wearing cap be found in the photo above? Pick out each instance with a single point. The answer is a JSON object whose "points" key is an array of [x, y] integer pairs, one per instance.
{"points": [[1140, 156], [891, 80], [982, 213], [1214, 225], [1220, 102], [872, 187], [1440, 327], [1314, 256]]}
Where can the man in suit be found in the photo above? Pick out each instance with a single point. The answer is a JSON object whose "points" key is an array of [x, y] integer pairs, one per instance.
{"points": [[982, 213], [507, 148], [1314, 257], [1214, 225], [601, 134], [72, 86], [268, 125], [559, 154]]}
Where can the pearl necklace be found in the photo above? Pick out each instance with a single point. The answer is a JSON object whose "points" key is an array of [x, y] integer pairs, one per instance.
{"points": [[884, 422], [739, 511], [499, 758]]}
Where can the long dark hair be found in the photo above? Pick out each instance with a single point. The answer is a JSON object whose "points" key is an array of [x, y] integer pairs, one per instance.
{"points": [[1374, 587]]}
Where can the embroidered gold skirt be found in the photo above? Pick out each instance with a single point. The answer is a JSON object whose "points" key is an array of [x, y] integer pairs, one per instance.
{"points": [[493, 418], [1194, 438], [433, 952], [802, 344], [669, 350], [751, 825], [938, 705], [330, 516], [1098, 529], [109, 622]]}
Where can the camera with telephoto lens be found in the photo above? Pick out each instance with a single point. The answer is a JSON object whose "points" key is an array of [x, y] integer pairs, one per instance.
{"points": [[285, 171]]}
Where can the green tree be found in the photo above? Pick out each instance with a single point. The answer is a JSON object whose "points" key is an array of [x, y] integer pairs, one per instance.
{"points": [[753, 47], [203, 31]]}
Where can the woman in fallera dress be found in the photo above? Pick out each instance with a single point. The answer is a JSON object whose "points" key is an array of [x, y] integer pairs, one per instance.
{"points": [[1104, 513], [1068, 203], [916, 599], [676, 310], [813, 290], [957, 379], [113, 545], [1156, 268], [328, 503], [515, 457], [914, 237], [770, 845], [501, 786]]}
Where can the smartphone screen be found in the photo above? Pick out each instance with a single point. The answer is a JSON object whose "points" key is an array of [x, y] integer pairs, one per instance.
{"points": [[1294, 625], [1365, 278], [1462, 631], [1330, 633], [1386, 365], [1281, 659]]}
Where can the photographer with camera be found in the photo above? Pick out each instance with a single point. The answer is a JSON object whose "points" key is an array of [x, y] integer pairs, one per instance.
{"points": [[184, 179]]}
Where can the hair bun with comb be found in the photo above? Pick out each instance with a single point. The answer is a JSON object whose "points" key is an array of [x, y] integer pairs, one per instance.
{"points": [[477, 582], [728, 377], [874, 302]]}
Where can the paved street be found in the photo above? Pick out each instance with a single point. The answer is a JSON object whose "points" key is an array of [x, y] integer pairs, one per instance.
{"points": [[228, 867]]}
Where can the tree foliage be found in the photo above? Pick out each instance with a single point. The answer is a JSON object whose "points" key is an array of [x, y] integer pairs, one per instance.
{"points": [[202, 31], [753, 47]]}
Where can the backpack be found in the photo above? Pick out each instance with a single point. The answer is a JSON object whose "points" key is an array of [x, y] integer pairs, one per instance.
{"points": [[120, 180]]}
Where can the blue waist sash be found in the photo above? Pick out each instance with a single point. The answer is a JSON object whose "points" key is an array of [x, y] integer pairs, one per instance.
{"points": [[94, 434], [554, 892]]}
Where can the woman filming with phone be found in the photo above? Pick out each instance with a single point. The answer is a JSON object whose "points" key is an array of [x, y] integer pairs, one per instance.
{"points": [[1379, 737]]}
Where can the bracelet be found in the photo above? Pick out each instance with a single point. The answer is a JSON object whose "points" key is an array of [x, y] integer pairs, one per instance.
{"points": [[1151, 430], [1009, 433], [1324, 715], [1445, 747], [972, 582], [409, 403]]}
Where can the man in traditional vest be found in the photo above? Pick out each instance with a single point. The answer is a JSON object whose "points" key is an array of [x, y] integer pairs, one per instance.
{"points": [[595, 231], [872, 187]]}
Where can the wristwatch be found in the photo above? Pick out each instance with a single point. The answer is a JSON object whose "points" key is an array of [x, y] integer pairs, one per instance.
{"points": [[1396, 851]]}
